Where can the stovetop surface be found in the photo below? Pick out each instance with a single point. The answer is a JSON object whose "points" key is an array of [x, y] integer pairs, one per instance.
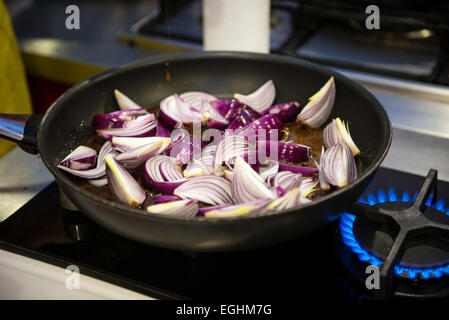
{"points": [[306, 266]]}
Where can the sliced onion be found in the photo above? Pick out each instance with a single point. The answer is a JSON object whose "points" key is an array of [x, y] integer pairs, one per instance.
{"points": [[243, 118], [228, 148], [285, 111], [290, 152], [97, 172], [161, 130], [163, 198], [82, 158], [135, 157], [208, 189], [320, 105], [162, 174], [116, 119], [196, 168], [99, 182], [260, 99], [124, 102], [338, 165], [183, 149], [142, 126], [122, 185], [267, 127], [307, 186], [174, 110], [345, 134], [208, 156], [212, 117], [180, 208], [123, 144], [228, 108], [285, 179], [269, 170], [237, 210], [247, 185], [291, 199], [195, 98], [305, 171], [203, 210]]}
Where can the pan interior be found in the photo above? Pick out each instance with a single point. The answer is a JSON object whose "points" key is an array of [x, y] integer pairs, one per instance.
{"points": [[67, 124]]}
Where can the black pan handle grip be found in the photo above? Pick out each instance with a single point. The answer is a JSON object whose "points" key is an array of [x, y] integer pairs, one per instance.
{"points": [[21, 129]]}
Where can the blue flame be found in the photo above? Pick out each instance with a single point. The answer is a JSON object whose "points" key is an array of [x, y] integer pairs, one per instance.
{"points": [[347, 233]]}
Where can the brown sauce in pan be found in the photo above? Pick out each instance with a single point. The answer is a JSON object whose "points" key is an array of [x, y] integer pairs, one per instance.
{"points": [[293, 132]]}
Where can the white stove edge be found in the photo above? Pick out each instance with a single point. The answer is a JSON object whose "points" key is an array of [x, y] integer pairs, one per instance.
{"points": [[25, 278]]}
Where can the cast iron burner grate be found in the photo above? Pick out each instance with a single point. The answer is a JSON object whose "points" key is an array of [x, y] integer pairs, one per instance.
{"points": [[407, 237]]}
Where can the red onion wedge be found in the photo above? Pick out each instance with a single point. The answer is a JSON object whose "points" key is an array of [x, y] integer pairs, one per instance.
{"points": [[133, 158], [228, 108], [142, 126], [307, 186], [124, 102], [116, 119], [305, 171], [285, 111], [320, 105], [212, 117], [122, 185], [261, 99], [290, 152], [162, 174], [336, 132], [228, 148], [97, 172], [243, 118], [247, 185], [212, 190], [180, 208], [196, 98], [82, 158], [196, 168], [291, 199], [285, 179], [174, 110], [161, 130], [123, 144], [163, 198], [271, 169], [338, 166], [237, 210], [267, 127]]}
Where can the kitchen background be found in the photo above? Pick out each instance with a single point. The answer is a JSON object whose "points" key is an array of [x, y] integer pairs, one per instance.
{"points": [[405, 64]]}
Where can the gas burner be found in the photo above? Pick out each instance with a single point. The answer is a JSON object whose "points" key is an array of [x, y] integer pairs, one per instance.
{"points": [[407, 237]]}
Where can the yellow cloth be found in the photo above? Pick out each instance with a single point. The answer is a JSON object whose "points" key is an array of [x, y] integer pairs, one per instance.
{"points": [[13, 87]]}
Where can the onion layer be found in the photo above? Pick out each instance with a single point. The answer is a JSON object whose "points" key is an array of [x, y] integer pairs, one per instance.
{"points": [[338, 166], [247, 185], [320, 105], [208, 189], [160, 173], [237, 210], [122, 185], [285, 111], [142, 126], [267, 127], [124, 102], [180, 208], [116, 119], [260, 99], [82, 158]]}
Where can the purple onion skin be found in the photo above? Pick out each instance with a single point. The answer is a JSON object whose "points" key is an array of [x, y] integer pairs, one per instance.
{"points": [[112, 119], [263, 128], [244, 117], [290, 152], [161, 130], [166, 187], [286, 111], [165, 198], [203, 210], [228, 108], [305, 171]]}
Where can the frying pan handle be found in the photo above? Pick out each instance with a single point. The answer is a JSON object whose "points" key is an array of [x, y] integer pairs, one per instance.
{"points": [[21, 129]]}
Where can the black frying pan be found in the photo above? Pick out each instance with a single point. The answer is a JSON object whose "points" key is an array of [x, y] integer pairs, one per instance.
{"points": [[67, 125]]}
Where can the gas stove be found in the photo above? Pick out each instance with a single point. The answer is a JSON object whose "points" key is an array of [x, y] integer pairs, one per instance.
{"points": [[329, 264]]}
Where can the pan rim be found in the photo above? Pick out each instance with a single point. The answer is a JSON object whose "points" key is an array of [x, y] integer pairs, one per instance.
{"points": [[212, 55]]}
